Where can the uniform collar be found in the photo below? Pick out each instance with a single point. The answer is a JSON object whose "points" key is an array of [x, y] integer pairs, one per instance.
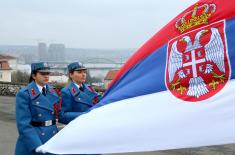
{"points": [[74, 89], [33, 90]]}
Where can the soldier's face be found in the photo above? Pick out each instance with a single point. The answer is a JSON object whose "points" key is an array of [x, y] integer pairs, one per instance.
{"points": [[41, 78], [78, 76]]}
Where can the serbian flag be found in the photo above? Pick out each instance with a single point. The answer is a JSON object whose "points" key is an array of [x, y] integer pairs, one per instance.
{"points": [[176, 91]]}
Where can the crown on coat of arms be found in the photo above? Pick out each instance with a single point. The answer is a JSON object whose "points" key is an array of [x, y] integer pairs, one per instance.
{"points": [[198, 16]]}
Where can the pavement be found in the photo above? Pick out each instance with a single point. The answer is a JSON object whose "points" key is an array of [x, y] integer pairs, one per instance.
{"points": [[8, 131], [8, 135]]}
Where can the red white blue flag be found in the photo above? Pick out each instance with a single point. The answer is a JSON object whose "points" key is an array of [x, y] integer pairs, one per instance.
{"points": [[176, 91]]}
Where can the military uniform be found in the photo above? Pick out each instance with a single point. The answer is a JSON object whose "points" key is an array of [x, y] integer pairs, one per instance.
{"points": [[76, 100], [35, 118]]}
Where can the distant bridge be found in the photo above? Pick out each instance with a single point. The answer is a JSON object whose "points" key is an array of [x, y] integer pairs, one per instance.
{"points": [[93, 66], [88, 66], [101, 61], [88, 61]]}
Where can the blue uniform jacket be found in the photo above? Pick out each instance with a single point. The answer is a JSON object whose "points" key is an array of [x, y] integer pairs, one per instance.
{"points": [[76, 102], [31, 105]]}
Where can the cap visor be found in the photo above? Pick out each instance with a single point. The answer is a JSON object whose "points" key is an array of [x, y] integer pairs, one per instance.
{"points": [[45, 71], [78, 69]]}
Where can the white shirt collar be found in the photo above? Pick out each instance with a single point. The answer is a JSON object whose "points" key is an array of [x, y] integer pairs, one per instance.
{"points": [[76, 85], [40, 87]]}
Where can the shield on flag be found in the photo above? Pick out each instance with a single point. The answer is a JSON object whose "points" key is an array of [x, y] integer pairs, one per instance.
{"points": [[197, 63]]}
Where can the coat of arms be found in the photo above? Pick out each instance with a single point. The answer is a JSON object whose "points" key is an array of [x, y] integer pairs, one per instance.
{"points": [[197, 63]]}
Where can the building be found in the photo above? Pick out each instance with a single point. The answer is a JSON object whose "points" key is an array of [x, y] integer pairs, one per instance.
{"points": [[42, 51], [14, 64], [56, 52], [109, 77], [5, 70], [12, 61]]}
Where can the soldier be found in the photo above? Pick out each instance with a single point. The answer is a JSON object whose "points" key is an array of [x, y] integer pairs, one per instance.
{"points": [[77, 97], [35, 114]]}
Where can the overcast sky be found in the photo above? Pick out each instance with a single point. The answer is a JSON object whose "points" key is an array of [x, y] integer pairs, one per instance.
{"points": [[85, 23]]}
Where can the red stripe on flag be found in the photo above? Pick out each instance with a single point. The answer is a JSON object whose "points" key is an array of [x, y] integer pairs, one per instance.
{"points": [[224, 10]]}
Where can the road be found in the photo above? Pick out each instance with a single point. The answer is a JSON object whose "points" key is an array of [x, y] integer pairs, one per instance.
{"points": [[8, 131], [8, 135]]}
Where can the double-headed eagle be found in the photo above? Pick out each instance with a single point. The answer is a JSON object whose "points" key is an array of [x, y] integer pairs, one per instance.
{"points": [[214, 52]]}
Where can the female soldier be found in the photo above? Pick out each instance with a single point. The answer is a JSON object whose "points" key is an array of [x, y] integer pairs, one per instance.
{"points": [[35, 115], [77, 97]]}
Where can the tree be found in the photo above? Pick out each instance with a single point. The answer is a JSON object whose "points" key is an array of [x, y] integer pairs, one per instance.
{"points": [[20, 77], [91, 80]]}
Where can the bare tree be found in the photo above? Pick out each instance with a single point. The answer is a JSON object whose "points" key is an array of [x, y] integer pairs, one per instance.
{"points": [[19, 77], [94, 79]]}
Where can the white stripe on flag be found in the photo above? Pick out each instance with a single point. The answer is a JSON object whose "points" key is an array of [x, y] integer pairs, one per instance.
{"points": [[156, 121]]}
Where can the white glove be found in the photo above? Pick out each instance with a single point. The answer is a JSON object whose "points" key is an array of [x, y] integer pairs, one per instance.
{"points": [[40, 150]]}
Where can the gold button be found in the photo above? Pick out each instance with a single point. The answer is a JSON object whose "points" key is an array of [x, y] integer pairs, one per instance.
{"points": [[39, 115], [43, 133]]}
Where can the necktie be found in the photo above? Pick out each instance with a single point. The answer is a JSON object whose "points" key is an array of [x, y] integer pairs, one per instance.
{"points": [[44, 91], [81, 88]]}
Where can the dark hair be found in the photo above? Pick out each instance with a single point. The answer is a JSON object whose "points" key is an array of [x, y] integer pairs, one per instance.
{"points": [[70, 72], [31, 76]]}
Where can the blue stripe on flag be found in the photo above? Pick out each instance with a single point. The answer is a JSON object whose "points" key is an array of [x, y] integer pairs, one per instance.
{"points": [[230, 29], [147, 77]]}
